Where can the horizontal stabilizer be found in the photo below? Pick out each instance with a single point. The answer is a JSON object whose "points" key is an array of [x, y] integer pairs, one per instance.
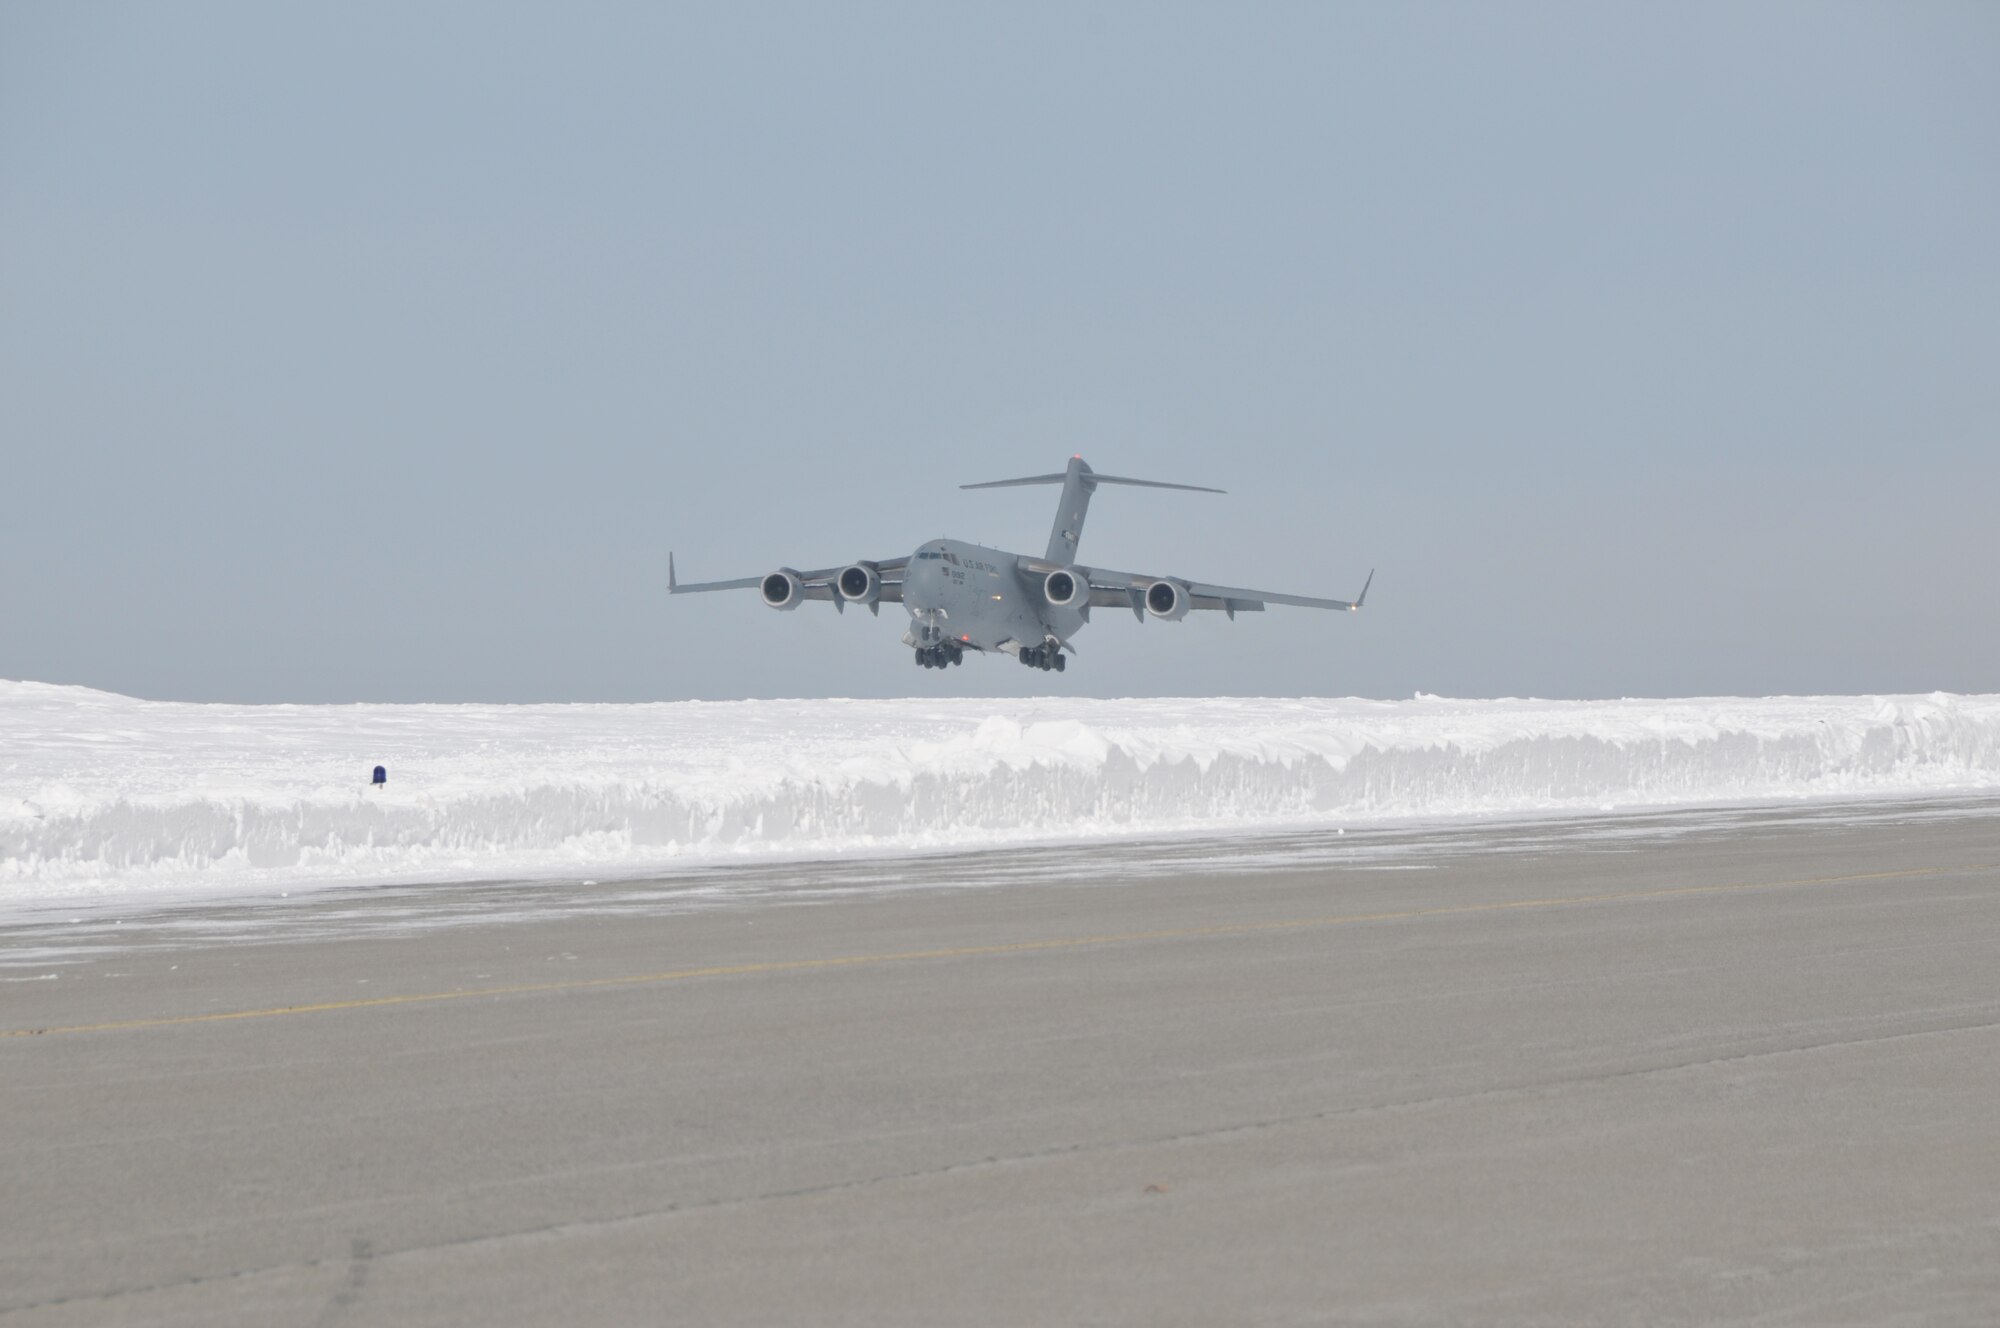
{"points": [[1090, 478], [1008, 484], [1079, 482], [1152, 484]]}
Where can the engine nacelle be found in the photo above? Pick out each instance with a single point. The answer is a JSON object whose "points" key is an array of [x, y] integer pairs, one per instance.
{"points": [[1167, 600], [860, 583], [1066, 587], [783, 589]]}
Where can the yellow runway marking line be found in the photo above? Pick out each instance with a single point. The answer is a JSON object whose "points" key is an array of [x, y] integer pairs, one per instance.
{"points": [[977, 951]]}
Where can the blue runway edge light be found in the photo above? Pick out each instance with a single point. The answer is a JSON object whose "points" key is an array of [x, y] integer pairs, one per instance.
{"points": [[381, 774]]}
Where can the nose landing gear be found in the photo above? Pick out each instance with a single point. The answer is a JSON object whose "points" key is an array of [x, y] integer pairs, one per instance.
{"points": [[940, 657]]}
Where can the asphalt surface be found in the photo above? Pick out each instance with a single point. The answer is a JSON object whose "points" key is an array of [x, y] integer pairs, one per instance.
{"points": [[1741, 1073]]}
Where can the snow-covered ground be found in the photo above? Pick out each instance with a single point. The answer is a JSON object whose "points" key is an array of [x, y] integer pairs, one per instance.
{"points": [[101, 794]]}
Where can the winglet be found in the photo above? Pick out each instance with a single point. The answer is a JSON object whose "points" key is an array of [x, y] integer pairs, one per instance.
{"points": [[670, 573], [1362, 598]]}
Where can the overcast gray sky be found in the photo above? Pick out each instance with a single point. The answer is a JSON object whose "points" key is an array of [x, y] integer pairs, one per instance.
{"points": [[382, 352]]}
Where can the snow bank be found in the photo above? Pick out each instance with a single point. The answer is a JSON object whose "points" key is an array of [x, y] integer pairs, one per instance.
{"points": [[102, 794]]}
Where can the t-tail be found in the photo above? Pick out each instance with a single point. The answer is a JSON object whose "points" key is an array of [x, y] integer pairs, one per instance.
{"points": [[1078, 482]]}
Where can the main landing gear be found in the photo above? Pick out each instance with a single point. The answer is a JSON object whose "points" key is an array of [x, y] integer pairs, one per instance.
{"points": [[1042, 657], [940, 657]]}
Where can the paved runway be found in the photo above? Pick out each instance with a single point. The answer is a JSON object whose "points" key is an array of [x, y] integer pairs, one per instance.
{"points": [[1737, 1071]]}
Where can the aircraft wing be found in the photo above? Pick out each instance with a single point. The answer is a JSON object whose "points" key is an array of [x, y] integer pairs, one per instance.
{"points": [[816, 584], [892, 592], [1127, 590]]}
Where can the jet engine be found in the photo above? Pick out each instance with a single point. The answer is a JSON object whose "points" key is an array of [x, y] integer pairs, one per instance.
{"points": [[860, 583], [1065, 587], [782, 589], [1167, 600]]}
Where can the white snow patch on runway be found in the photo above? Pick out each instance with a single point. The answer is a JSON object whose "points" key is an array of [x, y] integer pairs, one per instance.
{"points": [[101, 794]]}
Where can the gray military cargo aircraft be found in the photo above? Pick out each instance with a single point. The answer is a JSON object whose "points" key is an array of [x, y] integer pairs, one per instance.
{"points": [[965, 597]]}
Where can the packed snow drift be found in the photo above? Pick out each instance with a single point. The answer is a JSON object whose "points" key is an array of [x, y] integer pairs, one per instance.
{"points": [[102, 794]]}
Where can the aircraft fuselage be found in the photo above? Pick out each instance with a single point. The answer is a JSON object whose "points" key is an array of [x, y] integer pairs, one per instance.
{"points": [[978, 598]]}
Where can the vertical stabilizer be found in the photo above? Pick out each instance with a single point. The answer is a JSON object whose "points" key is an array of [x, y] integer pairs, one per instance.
{"points": [[1077, 488]]}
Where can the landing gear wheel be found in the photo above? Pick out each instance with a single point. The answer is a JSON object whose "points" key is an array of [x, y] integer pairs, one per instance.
{"points": [[1059, 663]]}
